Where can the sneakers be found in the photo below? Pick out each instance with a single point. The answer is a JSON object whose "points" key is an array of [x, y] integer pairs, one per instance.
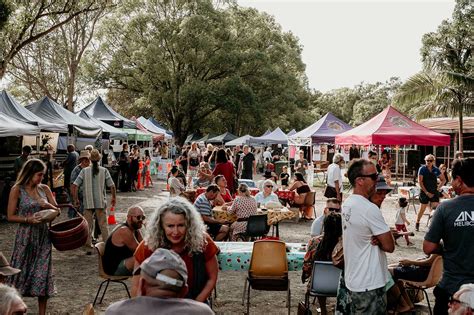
{"points": [[417, 226]]}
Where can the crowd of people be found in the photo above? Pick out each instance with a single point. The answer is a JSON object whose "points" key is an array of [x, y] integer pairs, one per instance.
{"points": [[173, 262]]}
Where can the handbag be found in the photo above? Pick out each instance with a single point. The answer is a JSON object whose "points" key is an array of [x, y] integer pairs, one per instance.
{"points": [[330, 192], [303, 309], [338, 255]]}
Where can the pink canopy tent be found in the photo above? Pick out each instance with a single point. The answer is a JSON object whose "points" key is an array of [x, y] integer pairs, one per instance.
{"points": [[391, 127]]}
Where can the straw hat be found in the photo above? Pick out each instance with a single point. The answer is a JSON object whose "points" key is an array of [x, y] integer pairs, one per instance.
{"points": [[95, 155], [84, 155], [5, 268]]}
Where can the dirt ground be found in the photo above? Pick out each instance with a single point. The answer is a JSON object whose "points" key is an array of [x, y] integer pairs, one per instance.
{"points": [[76, 276]]}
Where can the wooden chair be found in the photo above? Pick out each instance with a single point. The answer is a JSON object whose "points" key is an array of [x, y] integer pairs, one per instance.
{"points": [[100, 247], [309, 201], [268, 270], [432, 280]]}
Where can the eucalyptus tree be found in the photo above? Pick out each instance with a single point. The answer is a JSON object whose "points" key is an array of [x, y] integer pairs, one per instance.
{"points": [[198, 63]]}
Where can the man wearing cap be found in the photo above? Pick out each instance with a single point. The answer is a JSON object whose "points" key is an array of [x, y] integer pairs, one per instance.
{"points": [[19, 161], [5, 269], [84, 161], [122, 242], [462, 302], [161, 289], [365, 265]]}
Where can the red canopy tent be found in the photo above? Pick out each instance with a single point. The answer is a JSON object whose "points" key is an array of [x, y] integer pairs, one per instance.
{"points": [[391, 127]]}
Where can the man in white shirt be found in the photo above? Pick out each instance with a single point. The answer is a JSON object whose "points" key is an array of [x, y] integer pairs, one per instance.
{"points": [[332, 205], [334, 179], [365, 265]]}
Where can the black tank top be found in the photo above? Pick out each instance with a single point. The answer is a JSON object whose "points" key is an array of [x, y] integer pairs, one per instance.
{"points": [[113, 255]]}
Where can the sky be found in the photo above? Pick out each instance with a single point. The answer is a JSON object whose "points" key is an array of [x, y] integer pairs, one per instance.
{"points": [[347, 42]]}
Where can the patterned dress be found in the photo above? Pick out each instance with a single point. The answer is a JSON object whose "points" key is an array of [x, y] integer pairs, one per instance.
{"points": [[32, 252], [243, 207]]}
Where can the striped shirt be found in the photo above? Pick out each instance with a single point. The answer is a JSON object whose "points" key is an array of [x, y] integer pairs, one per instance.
{"points": [[203, 205], [94, 187]]}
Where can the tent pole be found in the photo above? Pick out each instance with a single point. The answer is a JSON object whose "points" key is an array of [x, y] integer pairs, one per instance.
{"points": [[404, 161], [396, 162]]}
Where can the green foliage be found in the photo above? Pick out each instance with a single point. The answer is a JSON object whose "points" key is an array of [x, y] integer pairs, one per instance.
{"points": [[200, 66], [358, 104], [5, 11], [445, 86]]}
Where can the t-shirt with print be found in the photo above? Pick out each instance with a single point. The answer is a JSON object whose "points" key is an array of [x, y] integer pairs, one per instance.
{"points": [[365, 265], [143, 252], [453, 222], [203, 205]]}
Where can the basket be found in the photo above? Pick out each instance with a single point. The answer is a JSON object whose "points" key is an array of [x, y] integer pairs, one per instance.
{"points": [[70, 234]]}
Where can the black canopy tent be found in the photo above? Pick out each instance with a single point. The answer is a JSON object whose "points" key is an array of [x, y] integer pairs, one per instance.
{"points": [[100, 110]]}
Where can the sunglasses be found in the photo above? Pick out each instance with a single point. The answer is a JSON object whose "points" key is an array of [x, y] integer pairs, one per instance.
{"points": [[373, 176], [452, 300], [334, 209], [269, 186], [429, 161], [139, 217]]}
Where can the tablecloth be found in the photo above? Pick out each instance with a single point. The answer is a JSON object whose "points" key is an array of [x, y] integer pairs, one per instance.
{"points": [[273, 216], [235, 256], [286, 194]]}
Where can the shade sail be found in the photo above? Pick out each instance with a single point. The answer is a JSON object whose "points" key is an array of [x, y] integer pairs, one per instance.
{"points": [[391, 127], [51, 111], [239, 141], [448, 124], [100, 110], [10, 107], [277, 136], [10, 127], [223, 138], [322, 131], [148, 125], [115, 133]]}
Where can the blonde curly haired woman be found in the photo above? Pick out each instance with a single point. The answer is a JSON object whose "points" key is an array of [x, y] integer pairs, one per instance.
{"points": [[176, 225]]}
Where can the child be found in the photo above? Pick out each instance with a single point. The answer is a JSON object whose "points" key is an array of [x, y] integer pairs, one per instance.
{"points": [[284, 176], [401, 219]]}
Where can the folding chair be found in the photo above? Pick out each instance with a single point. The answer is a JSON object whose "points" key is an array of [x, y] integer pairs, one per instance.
{"points": [[324, 280], [432, 280], [100, 247]]}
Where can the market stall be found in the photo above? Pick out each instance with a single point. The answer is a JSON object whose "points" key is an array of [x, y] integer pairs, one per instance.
{"points": [[223, 138], [102, 111]]}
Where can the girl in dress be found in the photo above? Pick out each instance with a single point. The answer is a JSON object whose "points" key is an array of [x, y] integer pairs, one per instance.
{"points": [[32, 247]]}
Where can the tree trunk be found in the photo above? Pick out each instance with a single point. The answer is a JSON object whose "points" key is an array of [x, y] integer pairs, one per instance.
{"points": [[460, 130], [71, 89], [3, 69]]}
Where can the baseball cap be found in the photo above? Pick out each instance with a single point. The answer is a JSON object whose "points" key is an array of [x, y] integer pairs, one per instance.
{"points": [[163, 259], [5, 268], [382, 184]]}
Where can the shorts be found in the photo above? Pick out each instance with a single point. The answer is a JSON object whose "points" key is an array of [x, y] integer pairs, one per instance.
{"points": [[213, 229], [424, 199], [122, 270], [411, 273], [369, 302]]}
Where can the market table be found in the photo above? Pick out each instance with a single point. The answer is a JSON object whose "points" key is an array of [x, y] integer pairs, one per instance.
{"points": [[286, 195], [235, 256], [274, 216]]}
